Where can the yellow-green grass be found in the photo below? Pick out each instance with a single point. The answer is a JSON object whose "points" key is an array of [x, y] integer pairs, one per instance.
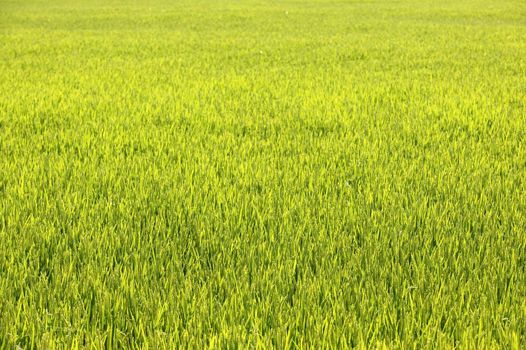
{"points": [[258, 174]]}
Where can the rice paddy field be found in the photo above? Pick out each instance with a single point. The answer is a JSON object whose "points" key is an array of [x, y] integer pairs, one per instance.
{"points": [[263, 174]]}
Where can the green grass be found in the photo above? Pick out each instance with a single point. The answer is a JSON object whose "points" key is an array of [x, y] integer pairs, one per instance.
{"points": [[234, 174]]}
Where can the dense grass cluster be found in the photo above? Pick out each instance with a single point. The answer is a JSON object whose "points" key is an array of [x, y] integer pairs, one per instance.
{"points": [[263, 174]]}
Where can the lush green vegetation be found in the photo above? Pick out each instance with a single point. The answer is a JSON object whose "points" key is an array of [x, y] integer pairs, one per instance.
{"points": [[258, 173]]}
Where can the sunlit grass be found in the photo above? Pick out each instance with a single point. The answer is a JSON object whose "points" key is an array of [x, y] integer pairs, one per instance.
{"points": [[322, 174]]}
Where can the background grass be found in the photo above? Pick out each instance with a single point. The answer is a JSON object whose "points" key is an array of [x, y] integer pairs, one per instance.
{"points": [[263, 174]]}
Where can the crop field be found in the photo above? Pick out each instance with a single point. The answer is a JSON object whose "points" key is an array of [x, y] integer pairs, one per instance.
{"points": [[262, 174]]}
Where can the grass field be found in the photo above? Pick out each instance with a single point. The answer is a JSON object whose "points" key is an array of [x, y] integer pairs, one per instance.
{"points": [[258, 174]]}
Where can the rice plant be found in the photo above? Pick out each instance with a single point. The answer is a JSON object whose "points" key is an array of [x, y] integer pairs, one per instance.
{"points": [[262, 174]]}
